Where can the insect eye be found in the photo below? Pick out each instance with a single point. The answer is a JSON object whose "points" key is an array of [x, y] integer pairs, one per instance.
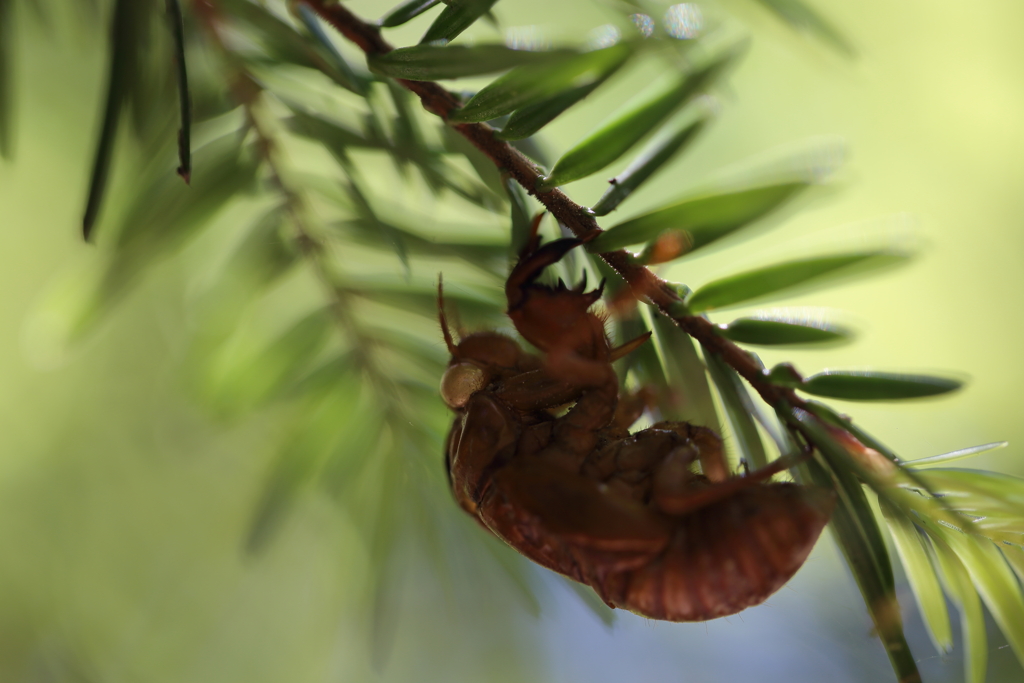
{"points": [[461, 381]]}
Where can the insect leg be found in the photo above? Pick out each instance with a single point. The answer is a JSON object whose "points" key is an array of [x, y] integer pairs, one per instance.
{"points": [[484, 441], [575, 434], [530, 266], [631, 407], [537, 390], [627, 348], [677, 495]]}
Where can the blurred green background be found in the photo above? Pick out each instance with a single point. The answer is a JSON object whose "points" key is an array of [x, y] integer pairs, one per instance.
{"points": [[124, 506]]}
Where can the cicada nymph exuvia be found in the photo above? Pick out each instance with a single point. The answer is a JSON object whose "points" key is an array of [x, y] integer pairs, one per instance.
{"points": [[574, 491]]}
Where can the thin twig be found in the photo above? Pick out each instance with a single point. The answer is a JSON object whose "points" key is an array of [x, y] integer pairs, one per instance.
{"points": [[645, 284]]}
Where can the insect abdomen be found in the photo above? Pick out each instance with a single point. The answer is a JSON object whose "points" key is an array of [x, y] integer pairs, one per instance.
{"points": [[726, 557]]}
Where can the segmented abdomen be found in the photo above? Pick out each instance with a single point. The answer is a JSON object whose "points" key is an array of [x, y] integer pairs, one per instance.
{"points": [[725, 557]]}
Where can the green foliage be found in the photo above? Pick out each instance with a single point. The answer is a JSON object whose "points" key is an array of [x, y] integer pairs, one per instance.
{"points": [[405, 12], [355, 375], [769, 330], [456, 18], [860, 538], [126, 85], [433, 62], [801, 15], [535, 84], [876, 386], [740, 410], [913, 552], [6, 53], [964, 595], [763, 282], [698, 221], [625, 129], [525, 121], [647, 163]]}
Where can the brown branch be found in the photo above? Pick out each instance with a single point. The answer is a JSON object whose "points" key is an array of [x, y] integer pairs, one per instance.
{"points": [[645, 284]]}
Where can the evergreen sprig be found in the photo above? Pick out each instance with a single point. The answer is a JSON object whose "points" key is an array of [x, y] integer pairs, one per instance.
{"points": [[358, 368]]}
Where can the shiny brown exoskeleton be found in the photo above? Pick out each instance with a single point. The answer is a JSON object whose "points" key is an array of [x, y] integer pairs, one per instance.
{"points": [[624, 514]]}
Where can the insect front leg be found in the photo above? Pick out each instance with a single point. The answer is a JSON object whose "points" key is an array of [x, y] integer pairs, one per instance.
{"points": [[677, 491], [576, 434], [713, 464], [532, 262], [537, 390], [631, 406], [553, 318], [484, 436]]}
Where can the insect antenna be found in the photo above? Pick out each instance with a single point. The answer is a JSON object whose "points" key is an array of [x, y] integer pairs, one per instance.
{"points": [[449, 342]]}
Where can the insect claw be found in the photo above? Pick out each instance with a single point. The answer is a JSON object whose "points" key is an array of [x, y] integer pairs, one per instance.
{"points": [[535, 223], [590, 297], [583, 283], [533, 240], [534, 260], [627, 348]]}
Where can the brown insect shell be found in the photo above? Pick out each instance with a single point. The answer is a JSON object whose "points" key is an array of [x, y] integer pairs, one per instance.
{"points": [[725, 557], [481, 364], [579, 495], [560, 319]]}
